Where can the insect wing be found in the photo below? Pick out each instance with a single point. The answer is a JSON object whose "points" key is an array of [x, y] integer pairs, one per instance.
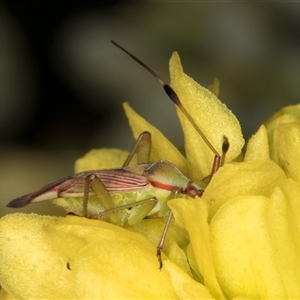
{"points": [[73, 186], [122, 179], [49, 191]]}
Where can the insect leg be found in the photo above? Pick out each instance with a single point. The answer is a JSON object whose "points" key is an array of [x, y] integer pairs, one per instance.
{"points": [[104, 214], [142, 146], [225, 147], [218, 160], [101, 192], [161, 243], [162, 240]]}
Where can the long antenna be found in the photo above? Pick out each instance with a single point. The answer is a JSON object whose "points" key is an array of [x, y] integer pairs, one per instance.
{"points": [[173, 96], [218, 160]]}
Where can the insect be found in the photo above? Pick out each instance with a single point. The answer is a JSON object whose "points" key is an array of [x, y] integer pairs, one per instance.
{"points": [[132, 192]]}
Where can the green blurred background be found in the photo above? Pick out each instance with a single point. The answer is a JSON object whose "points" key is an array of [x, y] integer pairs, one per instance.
{"points": [[63, 82]]}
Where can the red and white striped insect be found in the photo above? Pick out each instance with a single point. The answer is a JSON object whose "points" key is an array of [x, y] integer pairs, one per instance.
{"points": [[130, 193]]}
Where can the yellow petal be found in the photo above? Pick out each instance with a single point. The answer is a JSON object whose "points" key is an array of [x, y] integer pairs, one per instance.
{"points": [[175, 243], [243, 255], [215, 87], [284, 227], [257, 177], [258, 146], [98, 159], [192, 215], [5, 296], [286, 144], [185, 287], [287, 114], [211, 116], [73, 258], [161, 147], [256, 244]]}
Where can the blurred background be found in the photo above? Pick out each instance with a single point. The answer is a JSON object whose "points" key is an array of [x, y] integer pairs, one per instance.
{"points": [[63, 83]]}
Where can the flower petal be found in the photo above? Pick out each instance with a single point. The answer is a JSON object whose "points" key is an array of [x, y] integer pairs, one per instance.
{"points": [[286, 143], [192, 215], [284, 227], [212, 117], [73, 257], [215, 87], [287, 114], [185, 287], [258, 146], [104, 158], [244, 259], [175, 243], [256, 244], [161, 147], [257, 177], [5, 296]]}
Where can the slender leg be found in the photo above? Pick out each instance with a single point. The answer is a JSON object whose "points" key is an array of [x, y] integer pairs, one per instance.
{"points": [[162, 240], [106, 213], [142, 147], [101, 192], [218, 160], [225, 147]]}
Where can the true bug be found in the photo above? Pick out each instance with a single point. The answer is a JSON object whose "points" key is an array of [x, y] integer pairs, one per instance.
{"points": [[143, 188]]}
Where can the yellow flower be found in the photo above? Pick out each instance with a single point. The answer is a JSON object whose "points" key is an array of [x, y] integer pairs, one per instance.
{"points": [[283, 131], [239, 240]]}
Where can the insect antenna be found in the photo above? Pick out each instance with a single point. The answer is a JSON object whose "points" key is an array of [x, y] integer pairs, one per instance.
{"points": [[218, 160], [225, 147]]}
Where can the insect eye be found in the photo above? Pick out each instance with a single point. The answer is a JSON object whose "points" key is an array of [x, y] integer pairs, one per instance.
{"points": [[192, 190]]}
